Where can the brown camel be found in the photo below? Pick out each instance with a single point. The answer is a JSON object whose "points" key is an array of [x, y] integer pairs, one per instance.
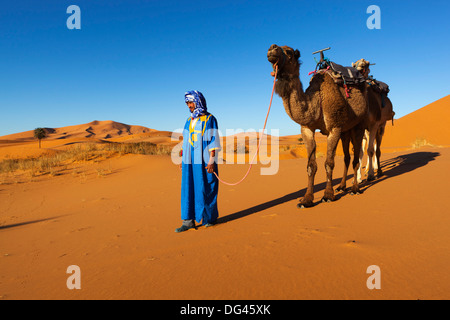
{"points": [[323, 106], [380, 111]]}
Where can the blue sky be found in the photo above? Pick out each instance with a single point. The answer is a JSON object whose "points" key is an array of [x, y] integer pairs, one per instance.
{"points": [[133, 60]]}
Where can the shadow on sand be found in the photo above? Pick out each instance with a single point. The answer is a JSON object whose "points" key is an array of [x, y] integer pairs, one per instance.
{"points": [[400, 165], [25, 223], [391, 168]]}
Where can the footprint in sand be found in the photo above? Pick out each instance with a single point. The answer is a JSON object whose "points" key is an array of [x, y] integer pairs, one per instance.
{"points": [[270, 216], [313, 232], [80, 229], [352, 244]]}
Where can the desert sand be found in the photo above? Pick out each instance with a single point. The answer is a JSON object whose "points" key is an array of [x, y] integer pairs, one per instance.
{"points": [[118, 227]]}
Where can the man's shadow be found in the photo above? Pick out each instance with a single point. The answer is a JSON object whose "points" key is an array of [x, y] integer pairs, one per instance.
{"points": [[26, 223], [391, 168]]}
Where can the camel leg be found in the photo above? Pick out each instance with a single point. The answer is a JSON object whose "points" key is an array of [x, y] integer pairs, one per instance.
{"points": [[310, 143], [379, 138], [364, 145], [357, 136], [345, 138], [375, 148], [361, 155], [370, 152], [332, 142]]}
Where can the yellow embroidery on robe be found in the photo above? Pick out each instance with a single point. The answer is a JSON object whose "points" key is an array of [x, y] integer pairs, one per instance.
{"points": [[193, 134]]}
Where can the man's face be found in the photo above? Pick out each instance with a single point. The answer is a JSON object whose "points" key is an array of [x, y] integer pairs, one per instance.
{"points": [[191, 106]]}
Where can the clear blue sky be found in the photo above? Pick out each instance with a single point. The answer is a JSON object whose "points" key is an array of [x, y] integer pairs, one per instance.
{"points": [[133, 60]]}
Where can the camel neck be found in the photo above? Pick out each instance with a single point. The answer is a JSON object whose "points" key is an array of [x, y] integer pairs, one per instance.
{"points": [[295, 101]]}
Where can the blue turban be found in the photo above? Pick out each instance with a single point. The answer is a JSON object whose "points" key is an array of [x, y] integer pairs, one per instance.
{"points": [[200, 102]]}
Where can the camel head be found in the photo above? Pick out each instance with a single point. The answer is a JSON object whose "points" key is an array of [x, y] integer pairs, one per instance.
{"points": [[286, 58], [363, 67]]}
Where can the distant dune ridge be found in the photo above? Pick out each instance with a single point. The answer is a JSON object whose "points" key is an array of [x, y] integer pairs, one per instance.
{"points": [[425, 126], [95, 129]]}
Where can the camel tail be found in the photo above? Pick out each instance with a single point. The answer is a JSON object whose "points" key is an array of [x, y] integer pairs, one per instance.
{"points": [[393, 114]]}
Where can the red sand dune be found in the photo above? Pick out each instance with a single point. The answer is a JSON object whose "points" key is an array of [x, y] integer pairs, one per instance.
{"points": [[115, 220], [426, 125], [119, 229], [21, 145], [95, 129]]}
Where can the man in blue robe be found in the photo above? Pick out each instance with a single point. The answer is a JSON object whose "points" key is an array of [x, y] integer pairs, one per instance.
{"points": [[199, 185]]}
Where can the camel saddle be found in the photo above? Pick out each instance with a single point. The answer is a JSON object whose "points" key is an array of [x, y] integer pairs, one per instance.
{"points": [[340, 74], [378, 86]]}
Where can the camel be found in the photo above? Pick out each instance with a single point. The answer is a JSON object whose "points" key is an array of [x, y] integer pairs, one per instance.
{"points": [[380, 111], [324, 106]]}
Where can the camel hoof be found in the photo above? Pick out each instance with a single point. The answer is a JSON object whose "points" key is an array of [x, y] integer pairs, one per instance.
{"points": [[355, 193], [306, 201], [370, 178], [304, 205], [326, 200]]}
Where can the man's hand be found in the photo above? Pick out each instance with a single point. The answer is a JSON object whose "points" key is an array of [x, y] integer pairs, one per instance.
{"points": [[210, 167]]}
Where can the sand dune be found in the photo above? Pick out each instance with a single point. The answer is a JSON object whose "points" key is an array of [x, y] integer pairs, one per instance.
{"points": [[155, 136], [119, 229], [94, 129], [22, 145], [115, 219], [424, 126]]}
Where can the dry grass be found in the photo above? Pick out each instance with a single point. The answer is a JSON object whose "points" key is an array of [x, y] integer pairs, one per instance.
{"points": [[421, 142], [53, 163], [147, 148], [284, 148]]}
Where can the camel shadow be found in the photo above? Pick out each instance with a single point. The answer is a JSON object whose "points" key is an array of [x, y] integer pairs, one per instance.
{"points": [[391, 168], [400, 165], [275, 202]]}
